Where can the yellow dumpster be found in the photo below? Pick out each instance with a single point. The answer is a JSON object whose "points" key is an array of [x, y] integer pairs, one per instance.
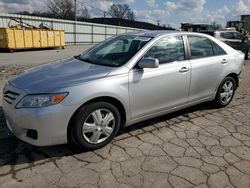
{"points": [[13, 38]]}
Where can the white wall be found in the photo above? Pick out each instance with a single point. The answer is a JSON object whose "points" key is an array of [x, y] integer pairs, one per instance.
{"points": [[82, 32]]}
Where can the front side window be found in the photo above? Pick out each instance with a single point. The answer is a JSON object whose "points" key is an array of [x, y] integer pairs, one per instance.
{"points": [[200, 47], [167, 49], [116, 51]]}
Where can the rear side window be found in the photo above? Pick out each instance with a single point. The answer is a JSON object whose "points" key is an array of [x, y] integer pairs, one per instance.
{"points": [[217, 49], [200, 47]]}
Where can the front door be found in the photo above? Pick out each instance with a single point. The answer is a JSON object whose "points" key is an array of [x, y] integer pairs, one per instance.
{"points": [[154, 90]]}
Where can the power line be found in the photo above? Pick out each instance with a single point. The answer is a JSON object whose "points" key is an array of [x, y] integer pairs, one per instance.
{"points": [[85, 4]]}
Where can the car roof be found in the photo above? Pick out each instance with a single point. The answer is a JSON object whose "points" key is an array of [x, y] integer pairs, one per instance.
{"points": [[154, 33], [157, 33], [226, 31]]}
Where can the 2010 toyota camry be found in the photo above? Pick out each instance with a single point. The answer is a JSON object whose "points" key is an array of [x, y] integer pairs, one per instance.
{"points": [[123, 80]]}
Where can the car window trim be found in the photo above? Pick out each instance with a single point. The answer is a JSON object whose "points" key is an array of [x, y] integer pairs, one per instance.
{"points": [[187, 47]]}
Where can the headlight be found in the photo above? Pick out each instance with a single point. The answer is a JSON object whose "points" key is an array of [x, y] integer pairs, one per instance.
{"points": [[34, 101]]}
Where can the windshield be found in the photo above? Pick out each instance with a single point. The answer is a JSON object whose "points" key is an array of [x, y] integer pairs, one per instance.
{"points": [[116, 51]]}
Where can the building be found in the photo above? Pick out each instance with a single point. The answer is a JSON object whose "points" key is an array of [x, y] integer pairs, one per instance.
{"points": [[201, 28], [238, 25], [246, 19], [196, 27]]}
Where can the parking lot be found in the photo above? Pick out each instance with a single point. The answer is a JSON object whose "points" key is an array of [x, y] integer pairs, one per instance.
{"points": [[197, 147]]}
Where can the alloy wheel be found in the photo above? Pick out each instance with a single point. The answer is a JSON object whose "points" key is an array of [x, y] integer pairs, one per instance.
{"points": [[227, 92], [98, 126]]}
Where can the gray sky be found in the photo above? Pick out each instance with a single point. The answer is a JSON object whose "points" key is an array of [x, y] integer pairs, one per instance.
{"points": [[171, 12]]}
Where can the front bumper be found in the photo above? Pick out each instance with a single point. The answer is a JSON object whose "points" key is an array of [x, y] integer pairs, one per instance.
{"points": [[38, 126], [49, 123]]}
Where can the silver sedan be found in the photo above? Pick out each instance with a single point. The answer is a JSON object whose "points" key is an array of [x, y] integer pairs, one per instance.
{"points": [[119, 82]]}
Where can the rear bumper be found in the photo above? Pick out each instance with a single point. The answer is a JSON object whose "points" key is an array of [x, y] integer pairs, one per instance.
{"points": [[49, 123], [239, 80]]}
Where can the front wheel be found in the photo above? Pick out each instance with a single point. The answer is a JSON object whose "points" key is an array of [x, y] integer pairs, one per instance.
{"points": [[225, 92], [96, 124]]}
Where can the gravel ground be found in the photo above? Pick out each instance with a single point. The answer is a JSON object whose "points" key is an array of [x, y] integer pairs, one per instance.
{"points": [[9, 71], [196, 147], [40, 56], [12, 64]]}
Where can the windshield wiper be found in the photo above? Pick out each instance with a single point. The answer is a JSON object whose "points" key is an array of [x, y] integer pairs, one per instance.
{"points": [[93, 62], [107, 65], [85, 59], [77, 56]]}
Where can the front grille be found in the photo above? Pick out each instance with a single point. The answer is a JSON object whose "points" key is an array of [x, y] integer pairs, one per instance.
{"points": [[10, 96]]}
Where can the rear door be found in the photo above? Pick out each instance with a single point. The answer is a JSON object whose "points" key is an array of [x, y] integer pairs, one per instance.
{"points": [[208, 61]]}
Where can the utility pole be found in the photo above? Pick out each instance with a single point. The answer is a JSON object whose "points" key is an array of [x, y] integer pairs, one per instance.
{"points": [[158, 22], [75, 21], [75, 10]]}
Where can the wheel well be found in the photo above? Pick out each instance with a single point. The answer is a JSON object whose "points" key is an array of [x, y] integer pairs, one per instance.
{"points": [[235, 77], [111, 100]]}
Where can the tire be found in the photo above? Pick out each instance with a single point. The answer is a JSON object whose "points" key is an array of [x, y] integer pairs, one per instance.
{"points": [[95, 125], [247, 55], [11, 50], [225, 92]]}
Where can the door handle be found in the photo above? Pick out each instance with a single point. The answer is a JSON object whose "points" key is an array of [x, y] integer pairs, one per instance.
{"points": [[184, 69], [224, 61]]}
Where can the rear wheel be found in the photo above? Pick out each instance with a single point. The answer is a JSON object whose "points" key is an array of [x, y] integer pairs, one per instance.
{"points": [[247, 54], [96, 124], [225, 92]]}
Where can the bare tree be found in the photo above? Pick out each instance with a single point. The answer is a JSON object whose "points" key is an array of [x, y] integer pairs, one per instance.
{"points": [[61, 8], [121, 11], [131, 16], [84, 13], [216, 26]]}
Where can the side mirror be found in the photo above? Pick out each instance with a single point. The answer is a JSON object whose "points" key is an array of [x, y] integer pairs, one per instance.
{"points": [[148, 62]]}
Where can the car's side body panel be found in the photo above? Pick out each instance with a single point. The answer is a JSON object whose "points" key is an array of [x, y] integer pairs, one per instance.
{"points": [[114, 87], [206, 74], [153, 90]]}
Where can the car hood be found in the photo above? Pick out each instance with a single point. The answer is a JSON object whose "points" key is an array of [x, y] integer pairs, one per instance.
{"points": [[59, 75]]}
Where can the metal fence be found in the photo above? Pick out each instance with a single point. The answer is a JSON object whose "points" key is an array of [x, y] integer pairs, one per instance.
{"points": [[75, 32]]}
